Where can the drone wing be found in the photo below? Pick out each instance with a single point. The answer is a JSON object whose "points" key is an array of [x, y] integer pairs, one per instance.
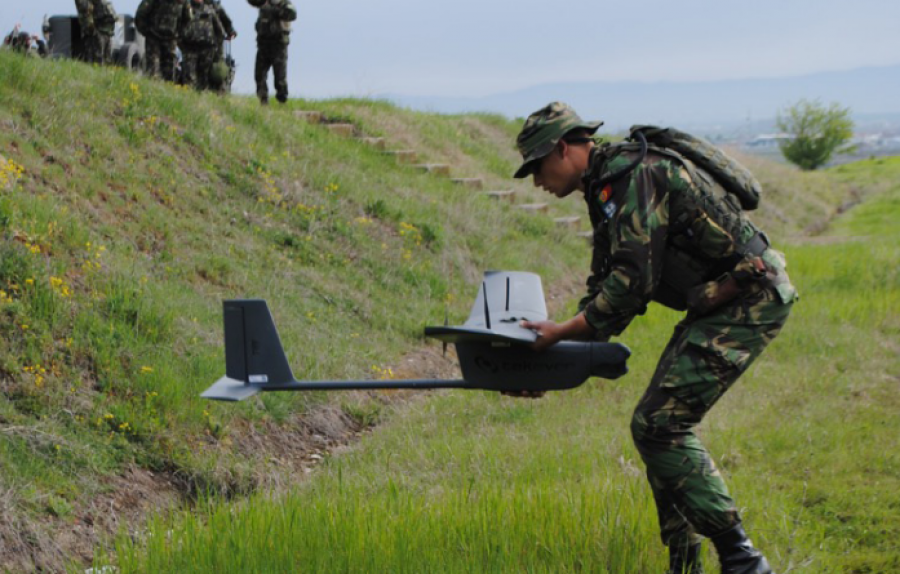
{"points": [[505, 299]]}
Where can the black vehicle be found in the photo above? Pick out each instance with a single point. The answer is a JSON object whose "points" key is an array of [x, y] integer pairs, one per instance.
{"points": [[127, 43]]}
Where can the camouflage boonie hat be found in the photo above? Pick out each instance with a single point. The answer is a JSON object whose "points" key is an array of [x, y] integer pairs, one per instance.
{"points": [[542, 131]]}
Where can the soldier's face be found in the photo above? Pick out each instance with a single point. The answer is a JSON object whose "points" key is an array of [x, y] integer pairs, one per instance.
{"points": [[559, 172]]}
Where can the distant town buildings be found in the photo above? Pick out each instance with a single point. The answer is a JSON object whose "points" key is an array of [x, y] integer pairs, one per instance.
{"points": [[765, 141], [864, 144]]}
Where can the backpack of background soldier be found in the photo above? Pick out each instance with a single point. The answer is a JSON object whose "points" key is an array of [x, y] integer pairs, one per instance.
{"points": [[202, 29], [104, 14], [166, 17], [270, 27]]}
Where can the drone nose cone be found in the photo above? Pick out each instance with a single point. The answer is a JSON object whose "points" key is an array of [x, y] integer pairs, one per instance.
{"points": [[609, 360]]}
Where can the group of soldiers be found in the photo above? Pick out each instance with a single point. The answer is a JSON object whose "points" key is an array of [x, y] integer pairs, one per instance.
{"points": [[199, 29]]}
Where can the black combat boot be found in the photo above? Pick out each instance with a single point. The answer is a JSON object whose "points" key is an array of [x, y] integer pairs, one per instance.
{"points": [[685, 560], [737, 554]]}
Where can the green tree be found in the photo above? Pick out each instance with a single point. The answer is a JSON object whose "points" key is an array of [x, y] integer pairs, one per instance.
{"points": [[817, 132]]}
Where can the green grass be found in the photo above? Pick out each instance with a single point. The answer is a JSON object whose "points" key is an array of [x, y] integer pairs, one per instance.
{"points": [[130, 209], [476, 482], [468, 482], [135, 208]]}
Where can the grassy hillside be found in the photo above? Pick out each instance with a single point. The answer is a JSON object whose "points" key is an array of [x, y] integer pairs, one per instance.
{"points": [[129, 209]]}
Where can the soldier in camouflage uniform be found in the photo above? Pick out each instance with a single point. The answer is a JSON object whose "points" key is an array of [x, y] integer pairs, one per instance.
{"points": [[97, 19], [664, 231], [198, 45], [227, 26], [230, 34], [273, 34], [162, 22], [46, 31]]}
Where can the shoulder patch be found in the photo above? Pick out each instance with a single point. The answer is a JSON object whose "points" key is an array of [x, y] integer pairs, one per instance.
{"points": [[609, 209], [606, 193]]}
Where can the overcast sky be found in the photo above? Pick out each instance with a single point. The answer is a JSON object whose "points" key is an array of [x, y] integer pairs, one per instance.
{"points": [[481, 47]]}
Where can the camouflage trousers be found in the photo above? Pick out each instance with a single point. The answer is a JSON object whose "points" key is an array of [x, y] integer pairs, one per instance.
{"points": [[159, 58], [704, 358], [195, 66], [97, 48], [274, 56]]}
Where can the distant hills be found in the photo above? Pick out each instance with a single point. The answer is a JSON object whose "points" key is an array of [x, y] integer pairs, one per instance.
{"points": [[872, 93]]}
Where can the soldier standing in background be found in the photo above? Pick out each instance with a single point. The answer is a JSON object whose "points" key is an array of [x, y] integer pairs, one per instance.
{"points": [[227, 25], [97, 19], [198, 45], [665, 230], [46, 31], [162, 22], [223, 73], [273, 34]]}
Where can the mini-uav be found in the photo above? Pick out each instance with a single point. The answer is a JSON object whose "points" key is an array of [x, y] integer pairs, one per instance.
{"points": [[493, 349]]}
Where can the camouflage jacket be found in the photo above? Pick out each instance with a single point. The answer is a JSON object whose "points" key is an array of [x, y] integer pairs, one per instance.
{"points": [[163, 19], [204, 30], [658, 233], [98, 15], [273, 26]]}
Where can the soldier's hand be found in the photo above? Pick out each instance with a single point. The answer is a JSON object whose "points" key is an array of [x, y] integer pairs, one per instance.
{"points": [[232, 36], [524, 394], [548, 333]]}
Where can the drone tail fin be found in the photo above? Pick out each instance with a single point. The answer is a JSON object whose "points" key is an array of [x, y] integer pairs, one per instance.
{"points": [[254, 357]]}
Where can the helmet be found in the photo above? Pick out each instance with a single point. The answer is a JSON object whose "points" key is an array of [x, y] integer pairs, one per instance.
{"points": [[218, 74]]}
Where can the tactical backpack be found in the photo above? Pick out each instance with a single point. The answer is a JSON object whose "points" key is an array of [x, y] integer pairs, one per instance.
{"points": [[723, 189], [104, 14], [165, 17], [270, 26], [202, 30], [735, 178]]}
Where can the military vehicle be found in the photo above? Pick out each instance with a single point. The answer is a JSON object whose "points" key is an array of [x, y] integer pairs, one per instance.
{"points": [[64, 41], [494, 350]]}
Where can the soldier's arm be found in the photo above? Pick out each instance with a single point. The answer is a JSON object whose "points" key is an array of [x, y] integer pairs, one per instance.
{"points": [[288, 12], [217, 23], [599, 267], [638, 209], [141, 16], [187, 14], [227, 24]]}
